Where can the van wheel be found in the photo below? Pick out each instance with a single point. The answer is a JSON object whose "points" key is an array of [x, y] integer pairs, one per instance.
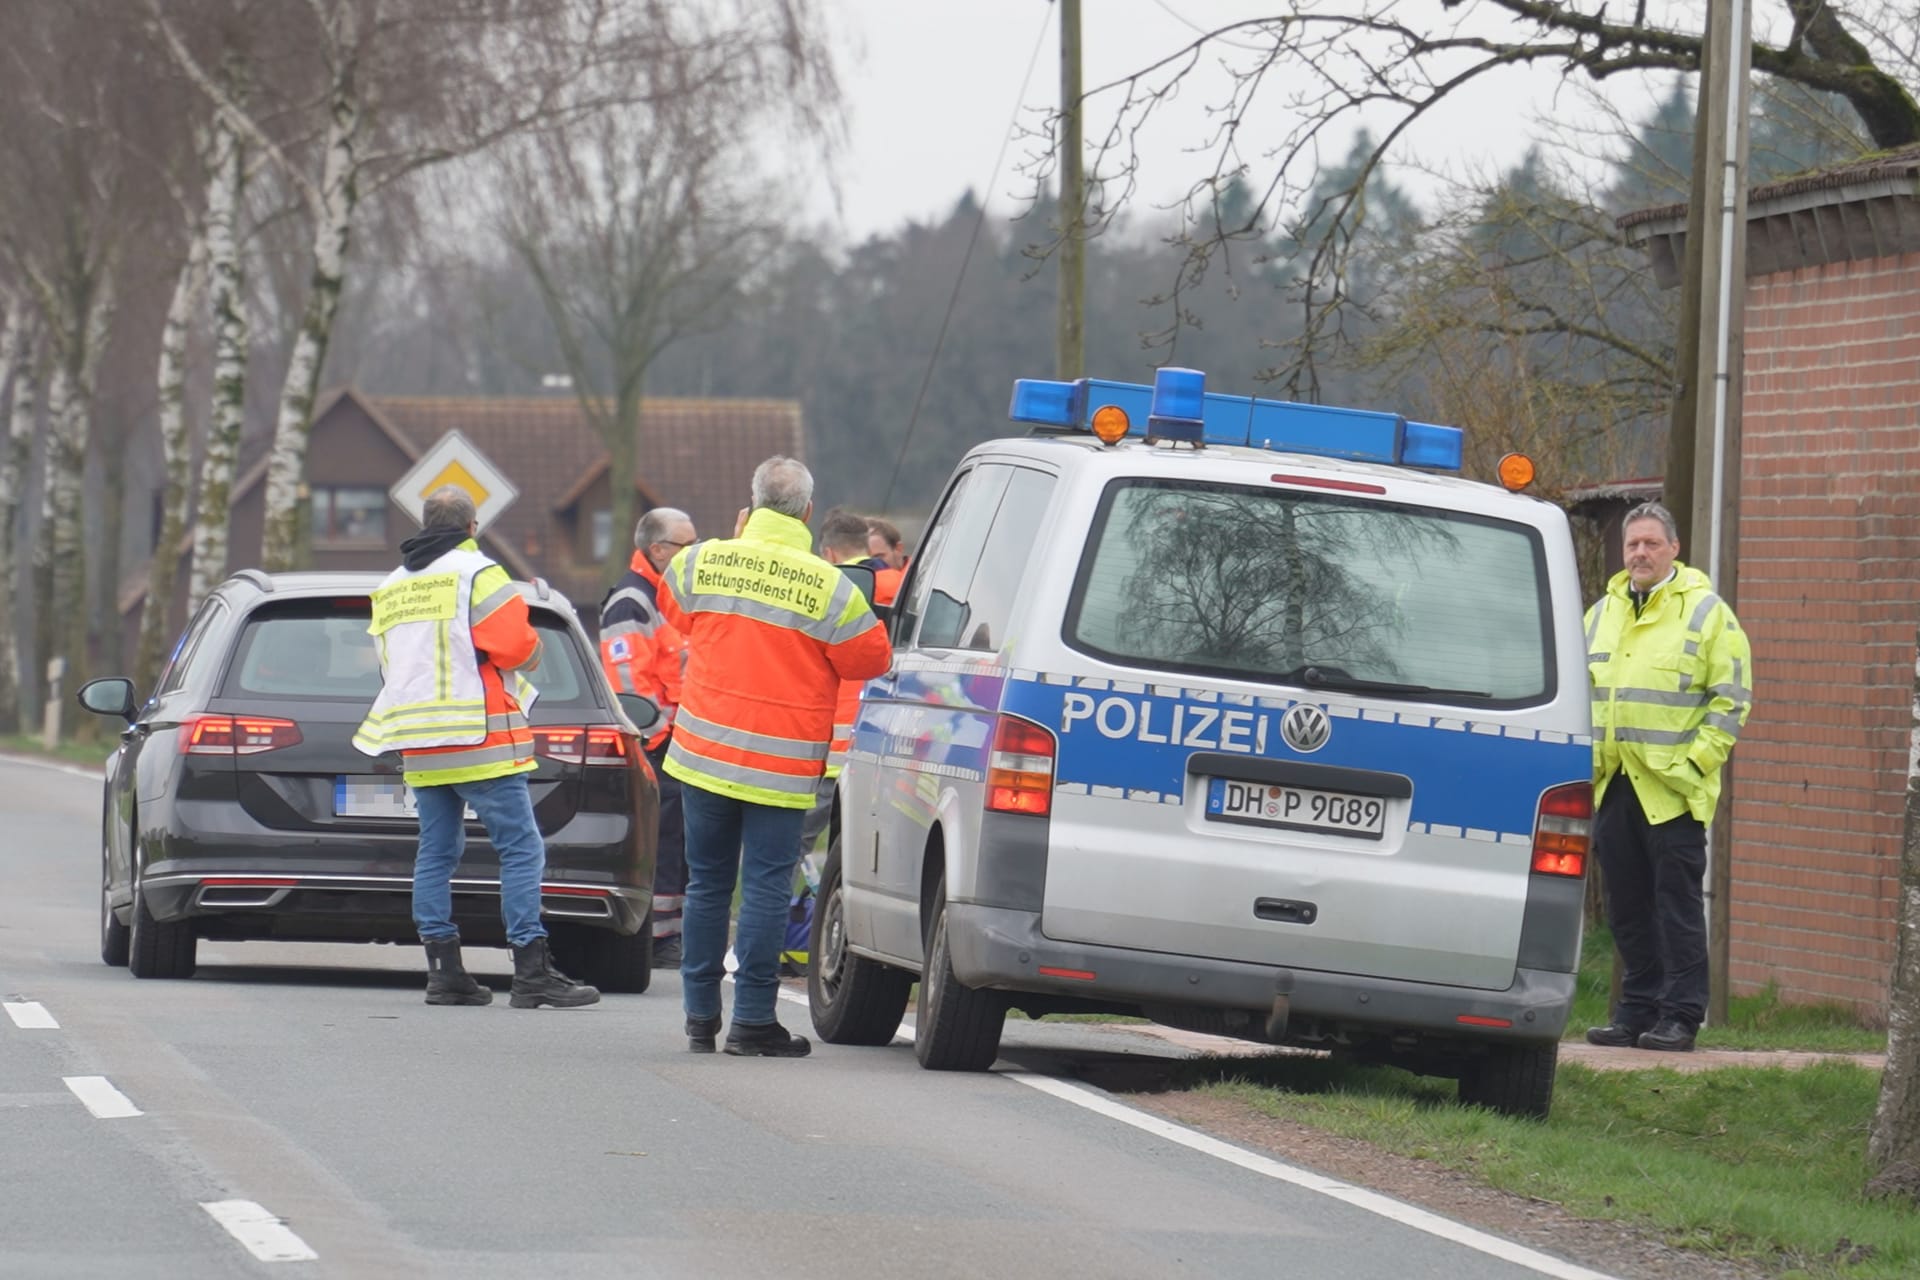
{"points": [[156, 950], [618, 964], [956, 1028], [853, 1000], [1513, 1079]]}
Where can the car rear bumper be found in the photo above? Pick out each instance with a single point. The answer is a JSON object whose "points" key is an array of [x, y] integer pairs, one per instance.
{"points": [[1004, 949]]}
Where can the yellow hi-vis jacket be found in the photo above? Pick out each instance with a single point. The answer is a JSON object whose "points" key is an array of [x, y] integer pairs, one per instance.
{"points": [[1671, 690], [436, 705]]}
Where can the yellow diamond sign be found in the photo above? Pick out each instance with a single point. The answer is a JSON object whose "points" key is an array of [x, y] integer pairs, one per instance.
{"points": [[453, 460]]}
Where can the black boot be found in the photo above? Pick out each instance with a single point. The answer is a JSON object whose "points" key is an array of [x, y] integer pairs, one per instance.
{"points": [[766, 1040], [701, 1033], [448, 981], [537, 982]]}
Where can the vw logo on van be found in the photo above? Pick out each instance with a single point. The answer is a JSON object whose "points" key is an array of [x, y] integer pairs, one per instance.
{"points": [[1306, 728]]}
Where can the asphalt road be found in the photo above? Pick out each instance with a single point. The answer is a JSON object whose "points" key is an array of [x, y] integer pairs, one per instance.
{"points": [[306, 1096]]}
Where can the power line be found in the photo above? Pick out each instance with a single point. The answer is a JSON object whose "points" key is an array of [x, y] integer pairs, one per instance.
{"points": [[972, 239]]}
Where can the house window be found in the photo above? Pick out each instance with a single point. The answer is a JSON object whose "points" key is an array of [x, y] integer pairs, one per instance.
{"points": [[349, 516], [602, 534]]}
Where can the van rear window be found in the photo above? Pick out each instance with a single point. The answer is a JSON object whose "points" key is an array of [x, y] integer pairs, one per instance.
{"points": [[1315, 590], [321, 649]]}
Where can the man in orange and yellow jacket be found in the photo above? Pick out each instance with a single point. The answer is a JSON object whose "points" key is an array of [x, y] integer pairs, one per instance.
{"points": [[772, 633]]}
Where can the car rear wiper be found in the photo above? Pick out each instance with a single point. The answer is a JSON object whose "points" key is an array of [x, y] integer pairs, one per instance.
{"points": [[1319, 675]]}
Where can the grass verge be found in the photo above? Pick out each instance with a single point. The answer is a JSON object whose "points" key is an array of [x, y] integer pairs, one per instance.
{"points": [[91, 754], [1765, 1165], [1758, 1021]]}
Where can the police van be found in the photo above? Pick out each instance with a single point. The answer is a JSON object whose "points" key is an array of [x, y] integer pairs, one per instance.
{"points": [[1238, 714]]}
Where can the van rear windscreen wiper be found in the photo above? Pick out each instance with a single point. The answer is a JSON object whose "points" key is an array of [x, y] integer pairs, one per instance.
{"points": [[1318, 675]]}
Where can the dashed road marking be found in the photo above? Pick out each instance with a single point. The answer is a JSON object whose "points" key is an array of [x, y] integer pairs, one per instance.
{"points": [[101, 1098], [30, 1015], [263, 1235]]}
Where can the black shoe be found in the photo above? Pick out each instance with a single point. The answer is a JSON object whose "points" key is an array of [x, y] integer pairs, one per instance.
{"points": [[766, 1040], [1671, 1036], [448, 981], [1615, 1035], [701, 1033], [666, 952], [537, 982]]}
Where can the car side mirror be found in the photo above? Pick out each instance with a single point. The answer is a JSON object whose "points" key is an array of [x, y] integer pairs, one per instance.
{"points": [[862, 577], [641, 710], [110, 696]]}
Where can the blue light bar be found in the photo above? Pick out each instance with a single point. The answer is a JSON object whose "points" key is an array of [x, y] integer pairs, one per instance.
{"points": [[1047, 403], [1178, 406]]}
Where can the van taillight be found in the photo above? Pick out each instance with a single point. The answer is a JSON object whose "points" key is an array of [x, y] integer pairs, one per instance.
{"points": [[236, 735], [580, 744], [1020, 770], [1563, 830]]}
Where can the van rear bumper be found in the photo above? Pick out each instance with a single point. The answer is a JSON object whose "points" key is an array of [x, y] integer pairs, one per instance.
{"points": [[1004, 949]]}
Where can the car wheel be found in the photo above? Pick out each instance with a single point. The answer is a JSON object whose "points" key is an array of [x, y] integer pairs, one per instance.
{"points": [[853, 1000], [157, 950], [956, 1028], [115, 938], [1513, 1079], [617, 964]]}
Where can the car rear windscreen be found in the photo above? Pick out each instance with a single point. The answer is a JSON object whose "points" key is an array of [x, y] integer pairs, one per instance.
{"points": [[1262, 584], [320, 649]]}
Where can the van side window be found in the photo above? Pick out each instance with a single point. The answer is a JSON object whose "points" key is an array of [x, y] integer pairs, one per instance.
{"points": [[982, 621], [913, 596], [944, 613]]}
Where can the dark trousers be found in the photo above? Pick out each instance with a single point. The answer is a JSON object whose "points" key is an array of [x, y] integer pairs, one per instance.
{"points": [[670, 865], [1651, 876]]}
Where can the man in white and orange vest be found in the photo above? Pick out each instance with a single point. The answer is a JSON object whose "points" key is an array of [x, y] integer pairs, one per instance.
{"points": [[645, 654], [772, 633], [455, 640]]}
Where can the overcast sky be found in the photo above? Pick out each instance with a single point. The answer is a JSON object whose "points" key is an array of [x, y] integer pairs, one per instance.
{"points": [[932, 84]]}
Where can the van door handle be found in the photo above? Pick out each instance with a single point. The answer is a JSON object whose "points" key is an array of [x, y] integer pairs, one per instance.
{"points": [[1285, 910]]}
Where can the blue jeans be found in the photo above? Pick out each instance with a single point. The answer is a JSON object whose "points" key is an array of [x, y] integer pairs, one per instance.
{"points": [[506, 810], [757, 844]]}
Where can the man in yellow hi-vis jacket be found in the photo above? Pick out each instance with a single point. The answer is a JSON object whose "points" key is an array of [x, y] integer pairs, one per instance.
{"points": [[1672, 686]]}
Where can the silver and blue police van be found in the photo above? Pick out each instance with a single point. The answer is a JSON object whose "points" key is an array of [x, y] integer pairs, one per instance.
{"points": [[1242, 715]]}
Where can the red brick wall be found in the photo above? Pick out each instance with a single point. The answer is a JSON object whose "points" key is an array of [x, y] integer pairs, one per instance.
{"points": [[1830, 593]]}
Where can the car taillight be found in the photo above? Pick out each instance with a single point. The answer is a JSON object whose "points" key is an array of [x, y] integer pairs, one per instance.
{"points": [[580, 744], [1020, 770], [1563, 830], [236, 735]]}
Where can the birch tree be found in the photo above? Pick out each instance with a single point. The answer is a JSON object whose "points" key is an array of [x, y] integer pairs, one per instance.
{"points": [[18, 359], [1893, 1142], [404, 85], [226, 198]]}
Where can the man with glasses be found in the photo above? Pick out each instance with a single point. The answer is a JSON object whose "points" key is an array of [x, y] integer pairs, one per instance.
{"points": [[645, 654]]}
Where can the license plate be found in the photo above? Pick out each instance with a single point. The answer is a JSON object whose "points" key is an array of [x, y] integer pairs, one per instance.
{"points": [[378, 798], [1296, 808]]}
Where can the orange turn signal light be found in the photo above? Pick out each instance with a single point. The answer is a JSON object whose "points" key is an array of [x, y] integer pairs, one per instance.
{"points": [[1110, 423], [1516, 471]]}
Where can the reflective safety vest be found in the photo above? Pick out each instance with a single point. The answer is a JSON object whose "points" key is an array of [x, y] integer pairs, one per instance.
{"points": [[772, 631], [641, 652], [449, 636], [1671, 689], [886, 589]]}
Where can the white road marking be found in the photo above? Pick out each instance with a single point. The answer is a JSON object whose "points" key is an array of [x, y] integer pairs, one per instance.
{"points": [[263, 1235], [101, 1098], [1103, 1104], [30, 1015], [72, 770]]}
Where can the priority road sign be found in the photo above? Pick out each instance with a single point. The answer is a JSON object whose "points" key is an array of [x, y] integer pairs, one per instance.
{"points": [[454, 460]]}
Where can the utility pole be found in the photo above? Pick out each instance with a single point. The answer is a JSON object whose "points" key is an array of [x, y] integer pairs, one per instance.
{"points": [[1703, 452], [1070, 355]]}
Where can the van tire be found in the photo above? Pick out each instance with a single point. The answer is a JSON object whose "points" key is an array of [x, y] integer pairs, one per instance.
{"points": [[156, 950], [853, 1000], [956, 1028], [618, 964], [1512, 1079]]}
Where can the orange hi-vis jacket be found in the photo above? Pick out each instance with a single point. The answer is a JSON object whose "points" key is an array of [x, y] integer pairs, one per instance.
{"points": [[886, 589], [772, 631], [642, 652]]}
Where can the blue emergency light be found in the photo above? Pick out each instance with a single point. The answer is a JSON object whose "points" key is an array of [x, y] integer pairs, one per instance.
{"points": [[1178, 407]]}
